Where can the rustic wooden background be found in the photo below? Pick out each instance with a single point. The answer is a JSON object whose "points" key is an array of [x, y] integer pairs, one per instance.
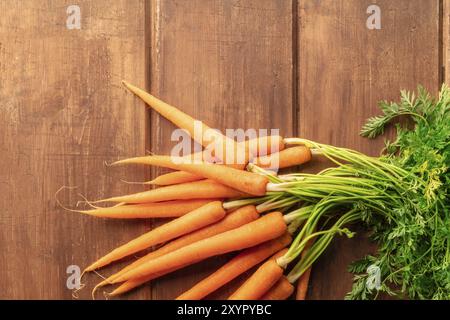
{"points": [[308, 67]]}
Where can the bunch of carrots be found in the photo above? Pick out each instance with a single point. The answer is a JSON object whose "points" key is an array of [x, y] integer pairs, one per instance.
{"points": [[218, 207]]}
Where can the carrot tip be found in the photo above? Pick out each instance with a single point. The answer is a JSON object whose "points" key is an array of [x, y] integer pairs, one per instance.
{"points": [[106, 164], [58, 191], [99, 274], [82, 285], [126, 84], [99, 285], [86, 201], [75, 292], [77, 204], [135, 182]]}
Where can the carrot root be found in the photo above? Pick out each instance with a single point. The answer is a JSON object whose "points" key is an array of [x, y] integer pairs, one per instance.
{"points": [[263, 229], [303, 281], [194, 220], [289, 157], [281, 290], [164, 209], [176, 177], [244, 181], [235, 267], [203, 189], [259, 283], [223, 145], [233, 220]]}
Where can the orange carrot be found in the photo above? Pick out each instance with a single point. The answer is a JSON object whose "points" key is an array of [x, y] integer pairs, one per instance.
{"points": [[231, 221], [265, 145], [263, 229], [204, 189], [235, 267], [191, 221], [244, 181], [280, 291], [165, 209], [261, 281], [133, 283], [175, 177], [287, 158], [258, 146], [197, 129], [302, 283]]}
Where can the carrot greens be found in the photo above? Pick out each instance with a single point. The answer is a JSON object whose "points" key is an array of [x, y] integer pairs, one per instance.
{"points": [[414, 239], [402, 196]]}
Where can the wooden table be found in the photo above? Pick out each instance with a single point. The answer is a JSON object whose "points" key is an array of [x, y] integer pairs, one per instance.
{"points": [[311, 68]]}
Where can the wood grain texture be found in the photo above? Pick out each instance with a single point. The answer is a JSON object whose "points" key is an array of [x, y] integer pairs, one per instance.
{"points": [[344, 70], [64, 112], [304, 66], [228, 63]]}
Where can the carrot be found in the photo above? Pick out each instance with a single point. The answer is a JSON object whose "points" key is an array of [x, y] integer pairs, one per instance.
{"points": [[191, 221], [231, 221], [244, 181], [235, 267], [261, 281], [302, 283], [262, 145], [197, 129], [265, 145], [280, 291], [258, 146], [175, 177], [204, 189], [166, 209], [286, 158], [133, 283], [263, 229]]}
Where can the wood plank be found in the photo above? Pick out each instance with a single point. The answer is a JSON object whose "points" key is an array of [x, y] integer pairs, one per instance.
{"points": [[64, 112], [446, 40], [228, 63], [344, 69]]}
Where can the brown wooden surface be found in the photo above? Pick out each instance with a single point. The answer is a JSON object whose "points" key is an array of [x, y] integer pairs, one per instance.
{"points": [[64, 112], [308, 67]]}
